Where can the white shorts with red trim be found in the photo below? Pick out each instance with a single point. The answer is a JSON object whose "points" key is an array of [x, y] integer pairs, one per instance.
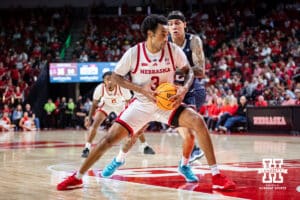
{"points": [[139, 113], [106, 109]]}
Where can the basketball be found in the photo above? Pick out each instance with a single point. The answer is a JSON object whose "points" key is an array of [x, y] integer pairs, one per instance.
{"points": [[164, 92]]}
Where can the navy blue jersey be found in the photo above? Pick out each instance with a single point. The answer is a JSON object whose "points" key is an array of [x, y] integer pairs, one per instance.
{"points": [[197, 93]]}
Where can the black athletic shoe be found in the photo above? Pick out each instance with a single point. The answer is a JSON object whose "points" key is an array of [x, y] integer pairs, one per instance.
{"points": [[148, 150], [85, 153]]}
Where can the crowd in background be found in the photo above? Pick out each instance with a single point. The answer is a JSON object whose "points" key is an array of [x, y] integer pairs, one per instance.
{"points": [[251, 51]]}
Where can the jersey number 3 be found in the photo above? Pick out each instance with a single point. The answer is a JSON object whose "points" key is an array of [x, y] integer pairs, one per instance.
{"points": [[155, 82]]}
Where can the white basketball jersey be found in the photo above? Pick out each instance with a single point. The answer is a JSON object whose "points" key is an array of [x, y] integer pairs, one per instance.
{"points": [[151, 69], [116, 97]]}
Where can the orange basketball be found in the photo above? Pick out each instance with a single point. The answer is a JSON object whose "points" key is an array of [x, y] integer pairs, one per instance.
{"points": [[164, 92]]}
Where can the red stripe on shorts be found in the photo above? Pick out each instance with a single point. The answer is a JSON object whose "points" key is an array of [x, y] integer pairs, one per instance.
{"points": [[100, 110], [125, 125], [130, 130]]}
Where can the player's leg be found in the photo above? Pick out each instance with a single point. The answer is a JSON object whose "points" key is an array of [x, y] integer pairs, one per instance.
{"points": [[193, 152], [98, 119], [147, 149], [188, 139], [137, 124], [115, 134], [130, 141], [192, 120], [120, 158], [200, 98], [187, 147]]}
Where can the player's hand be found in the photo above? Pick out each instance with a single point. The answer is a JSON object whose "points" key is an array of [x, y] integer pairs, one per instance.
{"points": [[150, 94], [178, 98]]}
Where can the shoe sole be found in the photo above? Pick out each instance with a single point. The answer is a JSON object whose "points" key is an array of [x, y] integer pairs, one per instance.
{"points": [[218, 187], [187, 180], [71, 187], [74, 186], [197, 157], [102, 175]]}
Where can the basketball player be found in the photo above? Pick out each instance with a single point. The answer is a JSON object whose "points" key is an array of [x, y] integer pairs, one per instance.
{"points": [[151, 63], [192, 47], [112, 98], [195, 97]]}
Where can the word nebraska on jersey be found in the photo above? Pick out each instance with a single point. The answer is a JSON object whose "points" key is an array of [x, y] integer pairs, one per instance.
{"points": [[154, 71]]}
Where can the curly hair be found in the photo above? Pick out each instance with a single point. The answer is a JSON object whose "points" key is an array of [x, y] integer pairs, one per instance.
{"points": [[151, 22]]}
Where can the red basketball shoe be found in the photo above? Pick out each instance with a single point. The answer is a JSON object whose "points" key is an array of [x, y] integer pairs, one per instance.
{"points": [[69, 183], [221, 182]]}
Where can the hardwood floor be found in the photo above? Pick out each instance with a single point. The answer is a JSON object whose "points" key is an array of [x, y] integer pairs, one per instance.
{"points": [[32, 163]]}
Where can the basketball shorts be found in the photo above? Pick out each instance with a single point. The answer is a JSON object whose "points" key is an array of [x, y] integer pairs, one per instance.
{"points": [[139, 113], [106, 109], [196, 96]]}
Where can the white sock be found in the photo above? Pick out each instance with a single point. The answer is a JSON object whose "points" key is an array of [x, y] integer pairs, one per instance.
{"points": [[184, 161], [214, 169], [121, 156], [88, 145], [144, 144], [78, 175]]}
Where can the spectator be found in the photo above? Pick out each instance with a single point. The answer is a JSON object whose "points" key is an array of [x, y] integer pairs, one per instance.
{"points": [[18, 95], [227, 110], [62, 113], [213, 112], [80, 114], [49, 108], [26, 123], [297, 92], [70, 112], [5, 123], [7, 110], [261, 102], [288, 101], [87, 104], [83, 57], [8, 95], [17, 115], [239, 117], [32, 115]]}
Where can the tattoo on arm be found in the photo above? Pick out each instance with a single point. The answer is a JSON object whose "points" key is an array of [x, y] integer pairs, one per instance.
{"points": [[198, 56], [189, 76]]}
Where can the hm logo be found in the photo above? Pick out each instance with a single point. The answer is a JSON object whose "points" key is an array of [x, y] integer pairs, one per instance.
{"points": [[272, 170]]}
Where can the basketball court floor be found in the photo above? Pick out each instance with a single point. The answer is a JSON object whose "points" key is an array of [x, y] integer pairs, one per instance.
{"points": [[263, 167]]}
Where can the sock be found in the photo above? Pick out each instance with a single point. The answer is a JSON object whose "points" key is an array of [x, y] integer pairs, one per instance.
{"points": [[184, 161], [144, 144], [78, 175], [88, 145], [121, 156], [214, 169]]}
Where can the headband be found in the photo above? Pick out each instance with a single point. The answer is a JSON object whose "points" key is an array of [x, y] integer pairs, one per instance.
{"points": [[176, 16]]}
